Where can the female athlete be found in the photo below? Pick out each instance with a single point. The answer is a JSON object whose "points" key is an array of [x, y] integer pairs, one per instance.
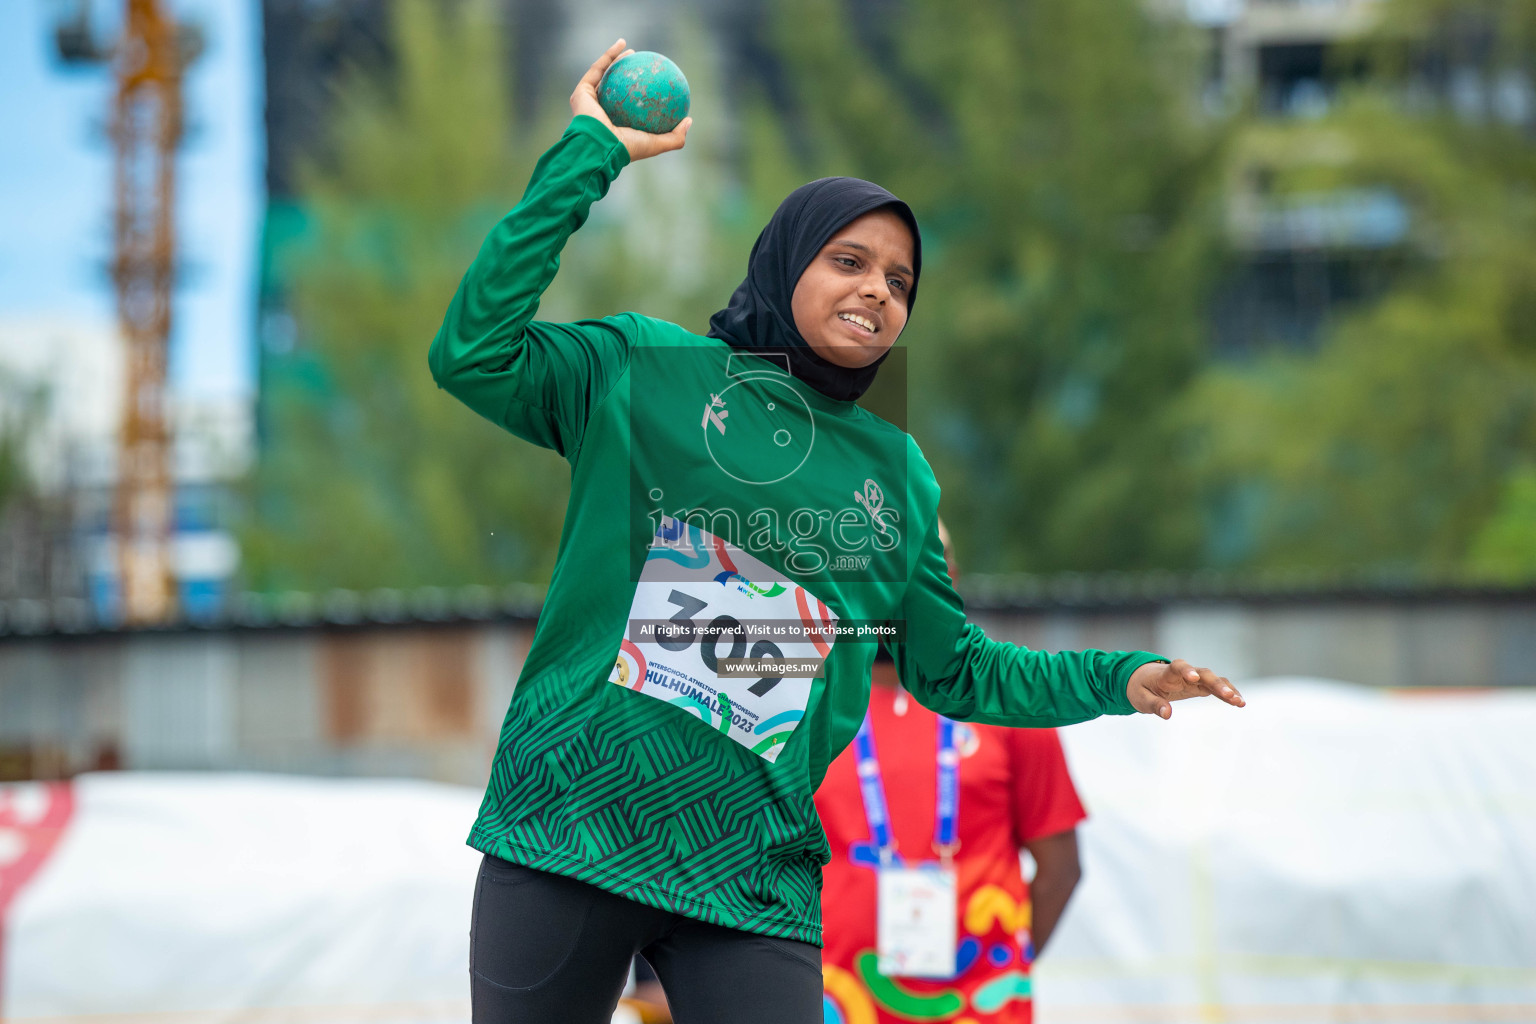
{"points": [[739, 535]]}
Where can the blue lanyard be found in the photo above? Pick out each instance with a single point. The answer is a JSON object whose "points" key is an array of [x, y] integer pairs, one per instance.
{"points": [[946, 816]]}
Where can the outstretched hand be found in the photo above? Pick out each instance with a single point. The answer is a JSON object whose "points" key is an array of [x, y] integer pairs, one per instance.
{"points": [[1156, 683], [640, 144]]}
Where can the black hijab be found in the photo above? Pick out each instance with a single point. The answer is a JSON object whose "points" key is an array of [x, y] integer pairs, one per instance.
{"points": [[759, 316]]}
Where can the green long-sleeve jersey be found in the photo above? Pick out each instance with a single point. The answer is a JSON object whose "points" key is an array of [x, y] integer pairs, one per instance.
{"points": [[747, 516]]}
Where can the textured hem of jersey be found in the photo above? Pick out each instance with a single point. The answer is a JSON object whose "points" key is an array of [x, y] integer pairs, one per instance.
{"points": [[643, 892]]}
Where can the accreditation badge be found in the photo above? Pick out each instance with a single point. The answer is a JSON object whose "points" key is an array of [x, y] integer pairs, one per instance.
{"points": [[916, 925]]}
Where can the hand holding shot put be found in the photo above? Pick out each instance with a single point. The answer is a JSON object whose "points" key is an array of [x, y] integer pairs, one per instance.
{"points": [[639, 144]]}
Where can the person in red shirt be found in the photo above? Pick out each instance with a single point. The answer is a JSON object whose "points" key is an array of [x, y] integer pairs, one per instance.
{"points": [[969, 796]]}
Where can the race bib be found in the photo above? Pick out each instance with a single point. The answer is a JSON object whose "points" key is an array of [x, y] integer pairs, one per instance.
{"points": [[721, 603], [916, 922]]}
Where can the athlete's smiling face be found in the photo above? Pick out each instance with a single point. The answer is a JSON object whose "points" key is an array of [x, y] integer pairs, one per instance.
{"points": [[850, 304]]}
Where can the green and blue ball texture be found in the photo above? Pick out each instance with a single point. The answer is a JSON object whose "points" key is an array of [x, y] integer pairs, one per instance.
{"points": [[644, 91]]}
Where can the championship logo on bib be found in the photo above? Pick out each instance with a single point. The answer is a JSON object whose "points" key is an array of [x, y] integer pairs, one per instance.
{"points": [[721, 602]]}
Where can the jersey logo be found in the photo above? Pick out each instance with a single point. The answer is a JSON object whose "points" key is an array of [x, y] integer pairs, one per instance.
{"points": [[715, 412], [873, 500]]}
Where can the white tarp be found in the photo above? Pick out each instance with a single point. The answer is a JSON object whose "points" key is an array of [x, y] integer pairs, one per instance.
{"points": [[1325, 854], [1328, 853], [185, 897]]}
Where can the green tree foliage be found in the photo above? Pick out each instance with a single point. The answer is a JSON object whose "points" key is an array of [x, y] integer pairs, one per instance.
{"points": [[1390, 447], [1072, 198], [1505, 548], [1067, 189], [1050, 149], [369, 475]]}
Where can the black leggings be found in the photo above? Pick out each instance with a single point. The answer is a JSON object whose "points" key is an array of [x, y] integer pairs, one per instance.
{"points": [[544, 948]]}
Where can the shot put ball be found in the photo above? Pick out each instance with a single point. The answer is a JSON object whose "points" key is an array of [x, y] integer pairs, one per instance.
{"points": [[644, 91]]}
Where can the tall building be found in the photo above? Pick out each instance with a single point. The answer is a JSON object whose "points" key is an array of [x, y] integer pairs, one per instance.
{"points": [[1301, 259], [1305, 258]]}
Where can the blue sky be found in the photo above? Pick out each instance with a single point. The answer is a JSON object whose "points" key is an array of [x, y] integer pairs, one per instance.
{"points": [[56, 188]]}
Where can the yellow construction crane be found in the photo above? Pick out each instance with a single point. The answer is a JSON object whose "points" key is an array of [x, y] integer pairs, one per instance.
{"points": [[146, 127]]}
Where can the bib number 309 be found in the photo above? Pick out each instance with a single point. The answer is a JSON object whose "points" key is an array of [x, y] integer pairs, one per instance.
{"points": [[712, 590], [720, 628]]}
